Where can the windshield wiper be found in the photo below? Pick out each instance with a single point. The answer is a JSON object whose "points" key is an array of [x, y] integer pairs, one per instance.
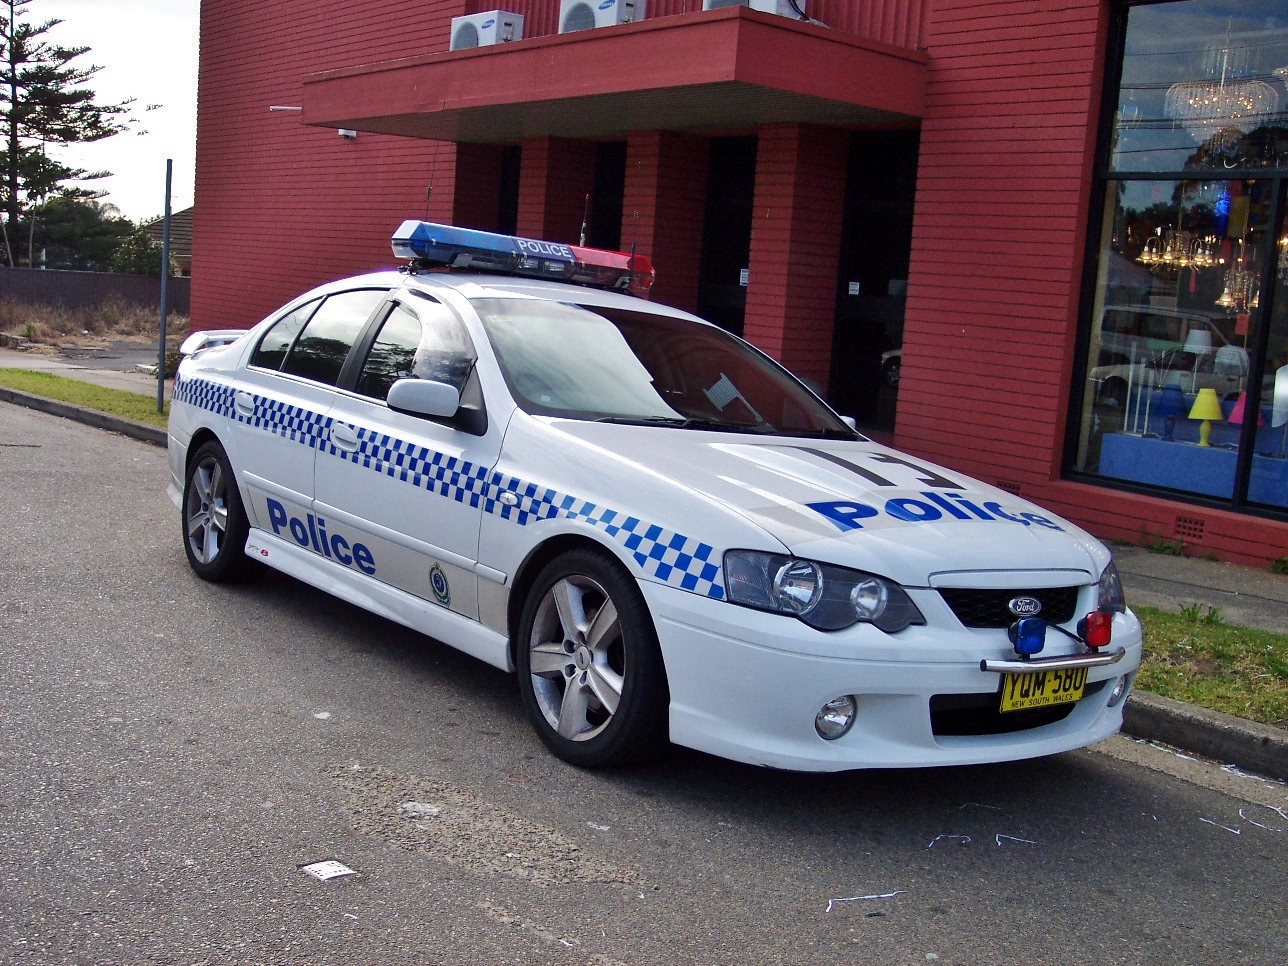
{"points": [[689, 422]]}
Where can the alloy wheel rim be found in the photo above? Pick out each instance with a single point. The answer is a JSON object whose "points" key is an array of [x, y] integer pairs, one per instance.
{"points": [[207, 510], [577, 658]]}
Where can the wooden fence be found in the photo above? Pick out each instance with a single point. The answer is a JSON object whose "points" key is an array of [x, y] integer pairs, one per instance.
{"points": [[76, 290]]}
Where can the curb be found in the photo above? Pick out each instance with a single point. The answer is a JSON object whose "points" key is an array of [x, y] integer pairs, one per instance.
{"points": [[116, 424], [1251, 746]]}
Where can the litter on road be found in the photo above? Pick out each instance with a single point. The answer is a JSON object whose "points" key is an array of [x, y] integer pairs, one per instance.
{"points": [[326, 870], [1219, 825], [884, 895], [960, 839]]}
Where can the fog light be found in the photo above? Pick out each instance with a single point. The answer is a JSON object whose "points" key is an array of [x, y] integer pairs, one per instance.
{"points": [[835, 717], [1120, 690]]}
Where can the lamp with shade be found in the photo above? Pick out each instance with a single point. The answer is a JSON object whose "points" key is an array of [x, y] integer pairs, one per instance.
{"points": [[1207, 408], [1236, 414], [1279, 414], [1199, 344]]}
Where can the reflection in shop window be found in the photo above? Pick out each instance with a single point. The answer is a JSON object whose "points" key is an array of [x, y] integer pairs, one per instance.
{"points": [[1187, 361]]}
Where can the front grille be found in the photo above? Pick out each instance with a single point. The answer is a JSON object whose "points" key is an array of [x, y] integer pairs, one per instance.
{"points": [[978, 714], [987, 608]]}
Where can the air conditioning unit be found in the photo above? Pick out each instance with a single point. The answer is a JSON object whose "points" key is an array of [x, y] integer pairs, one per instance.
{"points": [[585, 14], [485, 29], [783, 8]]}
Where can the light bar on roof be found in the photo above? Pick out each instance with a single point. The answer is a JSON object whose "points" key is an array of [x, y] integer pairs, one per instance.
{"points": [[426, 243]]}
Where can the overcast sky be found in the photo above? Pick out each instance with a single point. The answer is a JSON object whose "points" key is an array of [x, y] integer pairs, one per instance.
{"points": [[148, 51]]}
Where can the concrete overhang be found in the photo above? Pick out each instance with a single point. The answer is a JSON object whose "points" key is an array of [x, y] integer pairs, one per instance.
{"points": [[720, 70]]}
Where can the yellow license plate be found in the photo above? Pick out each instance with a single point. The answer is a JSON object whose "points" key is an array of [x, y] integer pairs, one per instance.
{"points": [[1040, 689]]}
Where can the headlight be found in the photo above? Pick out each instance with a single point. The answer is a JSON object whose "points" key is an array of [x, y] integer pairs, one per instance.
{"points": [[823, 596], [1110, 592]]}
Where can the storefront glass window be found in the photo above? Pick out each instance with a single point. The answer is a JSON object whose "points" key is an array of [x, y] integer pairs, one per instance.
{"points": [[1189, 321], [1203, 87], [1272, 429]]}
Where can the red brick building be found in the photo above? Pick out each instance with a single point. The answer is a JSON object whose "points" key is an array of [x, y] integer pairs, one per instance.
{"points": [[987, 186]]}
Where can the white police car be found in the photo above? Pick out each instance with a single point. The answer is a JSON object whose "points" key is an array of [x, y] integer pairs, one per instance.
{"points": [[660, 529]]}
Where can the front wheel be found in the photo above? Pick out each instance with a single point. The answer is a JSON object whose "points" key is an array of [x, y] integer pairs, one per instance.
{"points": [[590, 670], [215, 527]]}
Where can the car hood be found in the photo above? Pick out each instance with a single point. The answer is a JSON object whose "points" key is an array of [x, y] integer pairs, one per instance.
{"points": [[863, 505]]}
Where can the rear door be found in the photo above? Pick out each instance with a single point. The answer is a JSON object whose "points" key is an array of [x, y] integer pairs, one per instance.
{"points": [[280, 405]]}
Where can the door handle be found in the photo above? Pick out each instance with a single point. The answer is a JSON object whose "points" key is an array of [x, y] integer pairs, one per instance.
{"points": [[343, 437], [244, 402]]}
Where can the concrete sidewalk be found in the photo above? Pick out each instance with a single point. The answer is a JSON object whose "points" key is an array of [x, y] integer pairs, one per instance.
{"points": [[1245, 596], [116, 371]]}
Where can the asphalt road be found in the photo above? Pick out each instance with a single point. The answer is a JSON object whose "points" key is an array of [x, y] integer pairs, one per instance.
{"points": [[171, 752]]}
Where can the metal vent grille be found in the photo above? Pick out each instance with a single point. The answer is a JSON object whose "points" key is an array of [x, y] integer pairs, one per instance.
{"points": [[1009, 487], [1190, 528], [987, 608], [466, 36], [579, 17]]}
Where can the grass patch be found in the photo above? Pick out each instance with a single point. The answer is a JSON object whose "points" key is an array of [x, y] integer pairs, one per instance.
{"points": [[1194, 657], [117, 402]]}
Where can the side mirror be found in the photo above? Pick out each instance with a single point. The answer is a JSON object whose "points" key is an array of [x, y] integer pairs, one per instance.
{"points": [[849, 421], [424, 397]]}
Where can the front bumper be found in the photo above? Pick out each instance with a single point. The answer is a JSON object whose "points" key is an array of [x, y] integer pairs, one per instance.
{"points": [[747, 685]]}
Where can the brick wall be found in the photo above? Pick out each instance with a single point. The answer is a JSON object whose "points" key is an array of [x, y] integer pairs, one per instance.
{"points": [[795, 246], [1003, 189], [281, 206]]}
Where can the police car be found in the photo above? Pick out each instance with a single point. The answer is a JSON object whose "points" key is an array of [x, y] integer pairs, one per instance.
{"points": [[663, 533]]}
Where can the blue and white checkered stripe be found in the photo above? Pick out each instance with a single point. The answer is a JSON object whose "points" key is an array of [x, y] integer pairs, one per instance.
{"points": [[669, 557], [665, 555]]}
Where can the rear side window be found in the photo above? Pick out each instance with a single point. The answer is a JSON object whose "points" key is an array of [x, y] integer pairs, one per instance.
{"points": [[320, 350], [277, 340]]}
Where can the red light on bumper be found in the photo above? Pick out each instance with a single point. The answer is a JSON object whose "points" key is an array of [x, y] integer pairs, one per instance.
{"points": [[1097, 628]]}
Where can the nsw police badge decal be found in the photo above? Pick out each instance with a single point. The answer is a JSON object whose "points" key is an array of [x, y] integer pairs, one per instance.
{"points": [[438, 584]]}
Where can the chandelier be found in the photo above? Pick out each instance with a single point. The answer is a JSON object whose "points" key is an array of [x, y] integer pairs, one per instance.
{"points": [[1222, 102], [1180, 249], [1241, 291]]}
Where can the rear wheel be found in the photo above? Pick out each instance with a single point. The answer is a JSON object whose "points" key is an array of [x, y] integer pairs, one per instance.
{"points": [[214, 521], [590, 670]]}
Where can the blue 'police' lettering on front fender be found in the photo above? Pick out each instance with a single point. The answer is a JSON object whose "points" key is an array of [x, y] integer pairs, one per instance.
{"points": [[311, 534]]}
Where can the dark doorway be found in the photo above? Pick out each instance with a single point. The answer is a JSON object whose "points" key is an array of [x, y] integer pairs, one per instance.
{"points": [[507, 218], [872, 278], [604, 219], [726, 232]]}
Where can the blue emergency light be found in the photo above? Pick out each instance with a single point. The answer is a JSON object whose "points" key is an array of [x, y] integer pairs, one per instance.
{"points": [[425, 243], [1028, 634]]}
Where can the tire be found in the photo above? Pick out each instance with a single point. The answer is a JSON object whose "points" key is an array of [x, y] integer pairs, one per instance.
{"points": [[590, 669], [215, 527]]}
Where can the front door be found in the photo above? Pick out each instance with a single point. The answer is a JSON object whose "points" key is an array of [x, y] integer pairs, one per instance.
{"points": [[412, 485]]}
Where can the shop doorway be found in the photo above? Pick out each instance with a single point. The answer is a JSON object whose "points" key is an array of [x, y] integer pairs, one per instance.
{"points": [[872, 276], [726, 232]]}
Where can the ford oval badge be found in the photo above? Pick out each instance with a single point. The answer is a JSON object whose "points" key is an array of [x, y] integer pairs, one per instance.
{"points": [[1024, 606]]}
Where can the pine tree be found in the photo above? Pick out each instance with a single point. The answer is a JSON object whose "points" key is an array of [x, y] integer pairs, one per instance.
{"points": [[43, 101]]}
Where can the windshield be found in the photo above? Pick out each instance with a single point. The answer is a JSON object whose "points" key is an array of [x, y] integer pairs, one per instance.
{"points": [[623, 366]]}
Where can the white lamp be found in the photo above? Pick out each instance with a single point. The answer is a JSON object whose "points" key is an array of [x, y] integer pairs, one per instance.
{"points": [[1279, 415], [1198, 342]]}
